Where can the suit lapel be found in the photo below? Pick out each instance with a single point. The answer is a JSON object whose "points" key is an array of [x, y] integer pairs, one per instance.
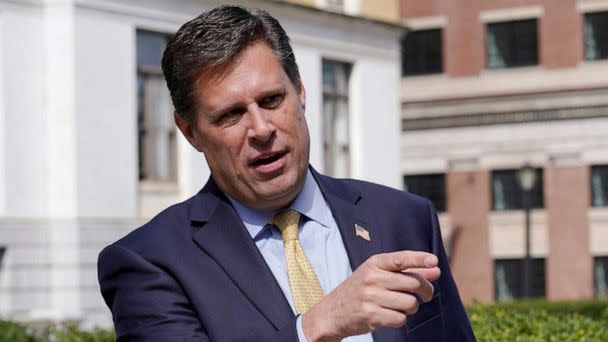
{"points": [[224, 237], [343, 200]]}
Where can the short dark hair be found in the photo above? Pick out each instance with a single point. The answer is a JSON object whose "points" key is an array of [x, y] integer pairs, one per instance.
{"points": [[214, 38]]}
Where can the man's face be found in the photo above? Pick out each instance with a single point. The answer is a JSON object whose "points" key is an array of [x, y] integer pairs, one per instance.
{"points": [[251, 127]]}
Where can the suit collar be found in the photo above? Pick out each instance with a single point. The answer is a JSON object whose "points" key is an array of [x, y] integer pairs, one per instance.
{"points": [[336, 188], [206, 201], [224, 238], [309, 202], [345, 203]]}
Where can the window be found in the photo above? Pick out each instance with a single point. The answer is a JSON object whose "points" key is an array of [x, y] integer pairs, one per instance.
{"points": [[336, 140], [599, 186], [2, 250], [431, 186], [512, 44], [508, 278], [422, 53], [596, 36], [507, 195], [156, 130], [600, 277]]}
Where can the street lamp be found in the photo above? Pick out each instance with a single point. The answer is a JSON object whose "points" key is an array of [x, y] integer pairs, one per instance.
{"points": [[526, 177]]}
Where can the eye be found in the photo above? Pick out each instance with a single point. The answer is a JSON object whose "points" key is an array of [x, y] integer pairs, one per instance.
{"points": [[230, 117], [272, 101]]}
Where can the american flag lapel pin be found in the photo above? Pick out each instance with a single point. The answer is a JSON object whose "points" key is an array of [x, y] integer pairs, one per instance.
{"points": [[362, 233]]}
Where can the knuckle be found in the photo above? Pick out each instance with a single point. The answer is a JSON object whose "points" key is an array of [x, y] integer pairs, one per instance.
{"points": [[374, 324], [370, 278], [368, 314], [374, 259], [367, 309], [367, 295], [397, 261]]}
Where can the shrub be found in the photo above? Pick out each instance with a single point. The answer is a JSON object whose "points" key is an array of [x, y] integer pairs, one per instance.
{"points": [[539, 320], [14, 332], [519, 321], [71, 333]]}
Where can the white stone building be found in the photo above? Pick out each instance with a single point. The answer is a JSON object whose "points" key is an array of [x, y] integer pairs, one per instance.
{"points": [[88, 152]]}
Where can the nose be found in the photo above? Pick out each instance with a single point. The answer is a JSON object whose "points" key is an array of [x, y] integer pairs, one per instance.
{"points": [[261, 128]]}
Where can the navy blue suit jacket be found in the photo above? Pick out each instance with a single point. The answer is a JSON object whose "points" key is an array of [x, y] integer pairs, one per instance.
{"points": [[193, 273]]}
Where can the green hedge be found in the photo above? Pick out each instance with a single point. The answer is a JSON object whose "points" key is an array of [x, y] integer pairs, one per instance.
{"points": [[539, 320], [519, 321], [14, 332]]}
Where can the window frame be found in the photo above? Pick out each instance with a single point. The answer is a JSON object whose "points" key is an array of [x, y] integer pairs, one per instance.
{"points": [[602, 177], [537, 200], [513, 60], [604, 260], [604, 50], [422, 50], [146, 127], [438, 198], [340, 95], [537, 291]]}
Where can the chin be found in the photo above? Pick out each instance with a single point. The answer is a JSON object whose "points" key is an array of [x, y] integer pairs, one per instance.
{"points": [[282, 190]]}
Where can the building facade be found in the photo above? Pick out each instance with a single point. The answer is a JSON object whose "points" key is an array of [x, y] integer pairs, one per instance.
{"points": [[88, 150], [488, 87]]}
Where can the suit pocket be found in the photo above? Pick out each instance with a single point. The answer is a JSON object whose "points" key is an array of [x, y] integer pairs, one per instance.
{"points": [[428, 316]]}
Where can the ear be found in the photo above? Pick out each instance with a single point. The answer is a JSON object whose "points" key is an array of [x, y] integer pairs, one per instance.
{"points": [[188, 130], [302, 95]]}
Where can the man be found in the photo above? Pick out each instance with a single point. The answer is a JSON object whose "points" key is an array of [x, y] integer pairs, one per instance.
{"points": [[270, 250]]}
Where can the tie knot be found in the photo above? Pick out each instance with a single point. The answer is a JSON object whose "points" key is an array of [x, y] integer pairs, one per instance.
{"points": [[287, 222]]}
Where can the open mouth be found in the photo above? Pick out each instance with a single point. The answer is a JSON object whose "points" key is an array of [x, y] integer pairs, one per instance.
{"points": [[269, 159]]}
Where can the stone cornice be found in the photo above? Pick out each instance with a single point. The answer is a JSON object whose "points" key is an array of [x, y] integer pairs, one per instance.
{"points": [[485, 119]]}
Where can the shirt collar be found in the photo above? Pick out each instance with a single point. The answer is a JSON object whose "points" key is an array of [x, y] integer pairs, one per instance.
{"points": [[309, 202]]}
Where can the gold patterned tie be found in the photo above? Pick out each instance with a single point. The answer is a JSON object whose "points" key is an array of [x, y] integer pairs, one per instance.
{"points": [[303, 281]]}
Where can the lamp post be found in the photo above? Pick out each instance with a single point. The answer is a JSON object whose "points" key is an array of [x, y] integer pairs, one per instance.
{"points": [[526, 177]]}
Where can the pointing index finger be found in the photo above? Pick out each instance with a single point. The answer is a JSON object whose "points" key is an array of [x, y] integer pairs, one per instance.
{"points": [[402, 260]]}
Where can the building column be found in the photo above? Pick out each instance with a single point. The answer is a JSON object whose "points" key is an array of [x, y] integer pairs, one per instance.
{"points": [[63, 229], [569, 266], [468, 204]]}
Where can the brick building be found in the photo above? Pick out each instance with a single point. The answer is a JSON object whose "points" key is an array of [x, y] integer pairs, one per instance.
{"points": [[487, 87]]}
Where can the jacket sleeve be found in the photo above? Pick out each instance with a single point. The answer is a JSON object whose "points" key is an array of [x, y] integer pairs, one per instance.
{"points": [[455, 320], [147, 304]]}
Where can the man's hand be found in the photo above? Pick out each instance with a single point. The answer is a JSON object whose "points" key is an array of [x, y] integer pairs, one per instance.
{"points": [[380, 293]]}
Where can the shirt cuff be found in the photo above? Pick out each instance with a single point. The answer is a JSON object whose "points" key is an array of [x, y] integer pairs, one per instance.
{"points": [[301, 336]]}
